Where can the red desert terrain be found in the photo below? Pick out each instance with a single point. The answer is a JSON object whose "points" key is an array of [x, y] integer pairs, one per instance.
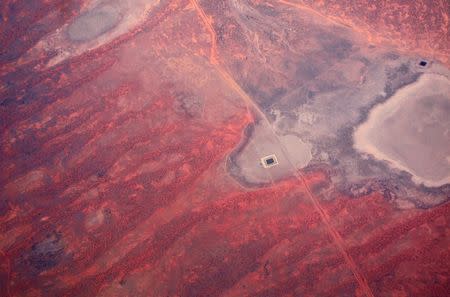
{"points": [[126, 125]]}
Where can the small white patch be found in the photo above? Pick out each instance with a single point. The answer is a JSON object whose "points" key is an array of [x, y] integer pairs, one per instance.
{"points": [[269, 161]]}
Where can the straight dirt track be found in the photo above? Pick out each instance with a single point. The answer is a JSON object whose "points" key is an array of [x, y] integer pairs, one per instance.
{"points": [[338, 240]]}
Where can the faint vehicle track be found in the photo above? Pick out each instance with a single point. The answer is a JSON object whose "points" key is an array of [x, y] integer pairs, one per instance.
{"points": [[209, 26], [310, 10], [362, 282]]}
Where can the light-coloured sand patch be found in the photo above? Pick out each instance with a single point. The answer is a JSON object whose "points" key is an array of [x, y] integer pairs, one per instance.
{"points": [[291, 153], [99, 23], [94, 23], [299, 152], [412, 131]]}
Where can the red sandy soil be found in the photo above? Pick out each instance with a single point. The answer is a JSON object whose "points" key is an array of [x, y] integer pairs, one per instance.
{"points": [[420, 26], [99, 157]]}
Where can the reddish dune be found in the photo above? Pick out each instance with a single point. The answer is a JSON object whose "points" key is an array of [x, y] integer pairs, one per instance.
{"points": [[114, 178]]}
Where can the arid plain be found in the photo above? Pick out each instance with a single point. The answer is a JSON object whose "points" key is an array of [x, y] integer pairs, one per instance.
{"points": [[132, 136]]}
